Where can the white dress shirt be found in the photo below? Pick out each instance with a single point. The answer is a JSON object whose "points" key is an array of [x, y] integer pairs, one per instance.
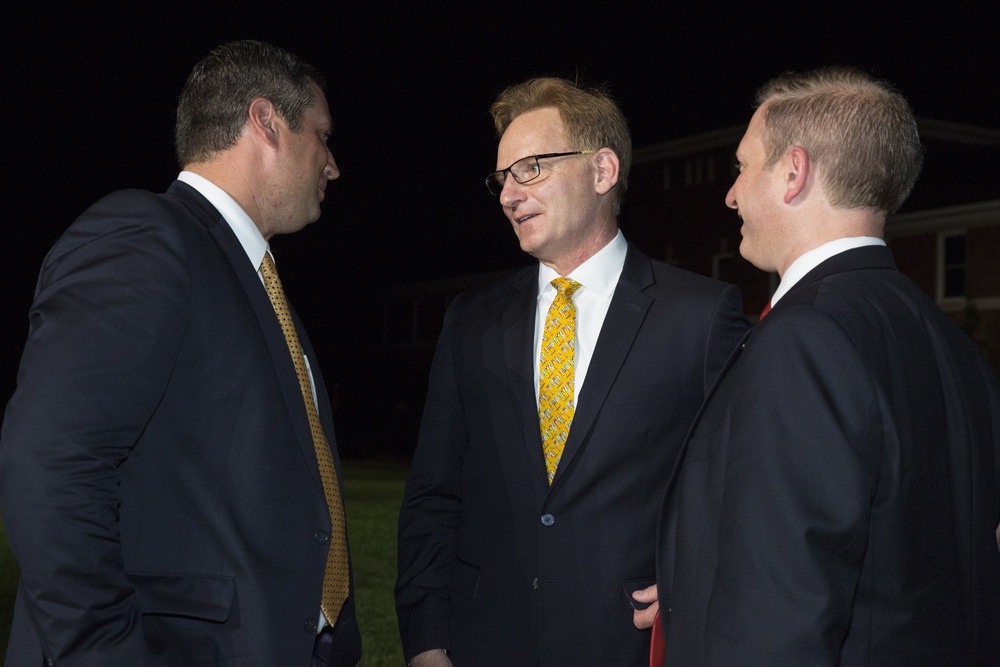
{"points": [[599, 277]]}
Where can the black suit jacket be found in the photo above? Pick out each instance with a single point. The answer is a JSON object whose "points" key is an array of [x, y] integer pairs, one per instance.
{"points": [[496, 566], [158, 480], [838, 497]]}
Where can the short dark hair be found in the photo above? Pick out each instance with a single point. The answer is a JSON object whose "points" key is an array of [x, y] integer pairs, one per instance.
{"points": [[860, 132], [590, 115], [214, 103]]}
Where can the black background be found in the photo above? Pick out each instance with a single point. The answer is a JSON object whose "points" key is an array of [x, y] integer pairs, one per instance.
{"points": [[90, 95]]}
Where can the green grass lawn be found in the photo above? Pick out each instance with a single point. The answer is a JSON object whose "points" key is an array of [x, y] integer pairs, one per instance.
{"points": [[373, 493]]}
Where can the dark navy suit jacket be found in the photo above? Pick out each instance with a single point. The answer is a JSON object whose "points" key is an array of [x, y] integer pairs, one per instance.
{"points": [[158, 481], [496, 566], [838, 498]]}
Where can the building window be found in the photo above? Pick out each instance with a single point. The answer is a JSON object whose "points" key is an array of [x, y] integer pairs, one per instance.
{"points": [[951, 266]]}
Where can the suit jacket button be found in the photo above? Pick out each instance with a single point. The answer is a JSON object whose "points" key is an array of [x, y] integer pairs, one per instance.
{"points": [[534, 583], [310, 625], [548, 520], [321, 537]]}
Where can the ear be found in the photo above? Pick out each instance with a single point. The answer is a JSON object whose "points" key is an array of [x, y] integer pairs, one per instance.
{"points": [[606, 177], [263, 121], [796, 168]]}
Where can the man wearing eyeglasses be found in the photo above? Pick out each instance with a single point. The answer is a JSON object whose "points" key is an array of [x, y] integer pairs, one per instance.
{"points": [[558, 400]]}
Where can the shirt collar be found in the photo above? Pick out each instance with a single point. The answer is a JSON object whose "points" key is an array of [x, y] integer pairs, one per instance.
{"points": [[599, 274], [246, 231], [808, 261]]}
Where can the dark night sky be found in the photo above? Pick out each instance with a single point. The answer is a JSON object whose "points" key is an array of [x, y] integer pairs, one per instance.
{"points": [[90, 96]]}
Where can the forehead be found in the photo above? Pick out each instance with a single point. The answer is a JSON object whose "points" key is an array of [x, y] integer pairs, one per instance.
{"points": [[318, 112], [753, 138], [532, 133]]}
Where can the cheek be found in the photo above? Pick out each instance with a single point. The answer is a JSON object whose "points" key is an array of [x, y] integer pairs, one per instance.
{"points": [[746, 194]]}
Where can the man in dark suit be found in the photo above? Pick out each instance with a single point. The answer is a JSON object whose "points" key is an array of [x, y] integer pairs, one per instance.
{"points": [[521, 531], [163, 488], [838, 499]]}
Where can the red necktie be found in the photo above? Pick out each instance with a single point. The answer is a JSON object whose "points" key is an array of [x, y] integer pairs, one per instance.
{"points": [[766, 310], [657, 648]]}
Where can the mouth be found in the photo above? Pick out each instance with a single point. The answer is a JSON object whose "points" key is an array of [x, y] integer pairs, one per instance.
{"points": [[524, 217]]}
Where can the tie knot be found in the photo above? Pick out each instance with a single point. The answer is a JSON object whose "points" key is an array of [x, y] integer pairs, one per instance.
{"points": [[566, 287], [267, 265]]}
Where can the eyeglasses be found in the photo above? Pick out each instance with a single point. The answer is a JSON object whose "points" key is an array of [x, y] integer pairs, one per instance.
{"points": [[524, 170]]}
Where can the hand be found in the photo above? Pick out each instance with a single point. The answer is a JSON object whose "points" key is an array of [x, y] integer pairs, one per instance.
{"points": [[433, 658], [644, 618]]}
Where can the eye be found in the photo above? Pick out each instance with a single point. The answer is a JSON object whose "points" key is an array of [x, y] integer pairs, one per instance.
{"points": [[525, 169], [528, 167]]}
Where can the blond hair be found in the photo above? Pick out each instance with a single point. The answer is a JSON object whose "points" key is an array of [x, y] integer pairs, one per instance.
{"points": [[590, 116], [859, 131]]}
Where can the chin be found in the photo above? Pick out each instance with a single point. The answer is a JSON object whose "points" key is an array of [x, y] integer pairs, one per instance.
{"points": [[527, 246]]}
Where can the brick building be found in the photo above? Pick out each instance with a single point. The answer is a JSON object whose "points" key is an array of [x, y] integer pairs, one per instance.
{"points": [[946, 238]]}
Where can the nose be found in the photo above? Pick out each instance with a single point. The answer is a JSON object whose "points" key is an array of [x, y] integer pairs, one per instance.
{"points": [[331, 170], [512, 192], [731, 198]]}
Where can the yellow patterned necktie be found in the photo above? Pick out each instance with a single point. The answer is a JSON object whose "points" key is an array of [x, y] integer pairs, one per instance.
{"points": [[336, 579], [555, 373]]}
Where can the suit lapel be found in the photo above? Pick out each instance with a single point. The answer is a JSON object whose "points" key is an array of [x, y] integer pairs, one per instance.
{"points": [[621, 325], [518, 324], [733, 357], [859, 258], [668, 507], [259, 302]]}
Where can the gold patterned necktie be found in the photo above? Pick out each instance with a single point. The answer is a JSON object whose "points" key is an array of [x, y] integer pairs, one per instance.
{"points": [[336, 578], [555, 373]]}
